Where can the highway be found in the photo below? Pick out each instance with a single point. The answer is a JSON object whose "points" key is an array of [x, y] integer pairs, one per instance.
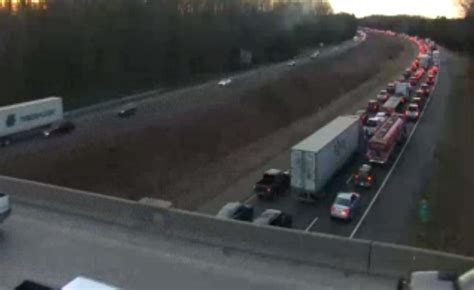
{"points": [[54, 247], [315, 217], [160, 106], [399, 199]]}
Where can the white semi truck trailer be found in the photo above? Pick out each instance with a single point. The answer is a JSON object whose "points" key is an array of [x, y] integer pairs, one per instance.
{"points": [[26, 116], [315, 159]]}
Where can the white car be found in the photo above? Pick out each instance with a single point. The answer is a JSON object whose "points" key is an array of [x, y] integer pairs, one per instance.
{"points": [[345, 206], [291, 63], [315, 54], [4, 207], [81, 283], [224, 82]]}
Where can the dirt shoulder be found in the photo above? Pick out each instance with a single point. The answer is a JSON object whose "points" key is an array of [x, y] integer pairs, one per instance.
{"points": [[449, 192], [193, 157]]}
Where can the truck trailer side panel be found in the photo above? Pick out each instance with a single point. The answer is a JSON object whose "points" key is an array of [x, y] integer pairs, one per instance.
{"points": [[315, 160], [29, 115]]}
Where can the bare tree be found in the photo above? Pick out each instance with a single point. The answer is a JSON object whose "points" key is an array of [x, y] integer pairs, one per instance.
{"points": [[468, 7]]}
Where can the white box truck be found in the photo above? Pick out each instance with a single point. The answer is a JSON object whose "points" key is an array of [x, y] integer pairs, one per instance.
{"points": [[29, 115], [315, 159]]}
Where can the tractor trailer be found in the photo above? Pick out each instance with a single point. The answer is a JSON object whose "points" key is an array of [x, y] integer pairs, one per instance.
{"points": [[29, 115], [315, 159]]}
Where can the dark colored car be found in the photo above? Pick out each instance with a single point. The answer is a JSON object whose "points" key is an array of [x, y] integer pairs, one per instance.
{"points": [[273, 217], [273, 182], [127, 111], [407, 74], [60, 128], [31, 285], [373, 106], [236, 211], [365, 176], [420, 93], [426, 89], [419, 101]]}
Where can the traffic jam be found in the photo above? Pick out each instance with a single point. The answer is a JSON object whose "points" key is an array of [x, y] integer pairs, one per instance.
{"points": [[335, 173]]}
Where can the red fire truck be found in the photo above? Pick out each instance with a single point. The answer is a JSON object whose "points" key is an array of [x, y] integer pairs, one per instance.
{"points": [[382, 144]]}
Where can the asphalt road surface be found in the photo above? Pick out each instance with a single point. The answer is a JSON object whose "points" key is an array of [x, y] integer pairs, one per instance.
{"points": [[54, 247]]}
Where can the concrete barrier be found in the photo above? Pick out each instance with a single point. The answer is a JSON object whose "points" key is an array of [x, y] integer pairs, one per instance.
{"points": [[313, 248], [287, 244], [100, 207], [230, 235], [394, 260]]}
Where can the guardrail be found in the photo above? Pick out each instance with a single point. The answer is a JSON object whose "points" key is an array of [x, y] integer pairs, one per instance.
{"points": [[313, 248], [112, 103]]}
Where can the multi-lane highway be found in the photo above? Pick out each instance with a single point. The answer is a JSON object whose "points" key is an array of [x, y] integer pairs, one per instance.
{"points": [[391, 220], [54, 247], [316, 217], [159, 106]]}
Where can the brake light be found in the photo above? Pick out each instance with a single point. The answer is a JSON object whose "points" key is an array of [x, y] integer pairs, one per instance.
{"points": [[369, 178], [345, 212], [333, 208], [356, 176], [269, 189]]}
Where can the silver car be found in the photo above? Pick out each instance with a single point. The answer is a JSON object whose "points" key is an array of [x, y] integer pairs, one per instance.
{"points": [[224, 82], [345, 205]]}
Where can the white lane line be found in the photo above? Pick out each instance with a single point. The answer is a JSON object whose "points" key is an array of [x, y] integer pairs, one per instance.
{"points": [[393, 166], [250, 199], [311, 224], [349, 179]]}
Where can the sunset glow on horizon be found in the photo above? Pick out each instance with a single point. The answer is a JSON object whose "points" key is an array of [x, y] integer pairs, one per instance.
{"points": [[427, 8]]}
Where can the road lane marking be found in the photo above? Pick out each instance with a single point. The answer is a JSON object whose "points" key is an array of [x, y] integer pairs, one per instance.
{"points": [[349, 179], [250, 199], [394, 164], [311, 224]]}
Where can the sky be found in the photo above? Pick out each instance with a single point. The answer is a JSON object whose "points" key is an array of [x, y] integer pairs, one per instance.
{"points": [[427, 8]]}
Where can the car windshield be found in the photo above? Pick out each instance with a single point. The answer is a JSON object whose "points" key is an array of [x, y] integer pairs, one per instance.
{"points": [[343, 201], [412, 108]]}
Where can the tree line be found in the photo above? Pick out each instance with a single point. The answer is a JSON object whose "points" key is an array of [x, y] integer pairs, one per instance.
{"points": [[455, 34], [102, 48]]}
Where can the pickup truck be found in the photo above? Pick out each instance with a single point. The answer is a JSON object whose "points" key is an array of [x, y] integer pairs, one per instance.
{"points": [[4, 207], [273, 182]]}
